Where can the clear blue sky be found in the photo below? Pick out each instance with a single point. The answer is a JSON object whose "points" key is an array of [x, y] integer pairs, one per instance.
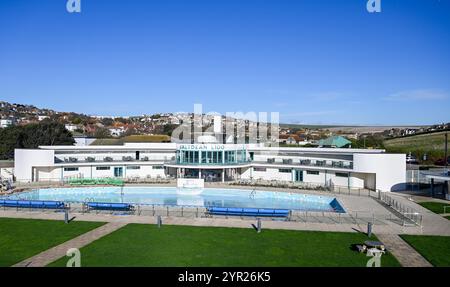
{"points": [[314, 61]]}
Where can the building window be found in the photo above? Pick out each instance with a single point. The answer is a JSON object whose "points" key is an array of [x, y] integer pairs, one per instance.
{"points": [[102, 168], [158, 167], [230, 156], [259, 169], [133, 167], [312, 172], [284, 170], [341, 174], [71, 169]]}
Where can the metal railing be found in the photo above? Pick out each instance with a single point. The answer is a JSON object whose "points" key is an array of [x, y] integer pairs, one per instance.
{"points": [[230, 163], [410, 215], [302, 163], [306, 186], [108, 159], [359, 218]]}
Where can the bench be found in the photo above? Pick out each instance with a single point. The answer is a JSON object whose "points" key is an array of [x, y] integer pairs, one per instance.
{"points": [[263, 212], [33, 204]]}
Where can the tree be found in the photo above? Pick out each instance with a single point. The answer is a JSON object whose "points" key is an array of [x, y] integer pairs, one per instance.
{"points": [[107, 122], [46, 132], [130, 132], [169, 128], [102, 133], [10, 138], [366, 141], [76, 121]]}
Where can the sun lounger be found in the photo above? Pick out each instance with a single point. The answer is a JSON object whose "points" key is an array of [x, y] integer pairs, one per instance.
{"points": [[248, 212], [33, 204]]}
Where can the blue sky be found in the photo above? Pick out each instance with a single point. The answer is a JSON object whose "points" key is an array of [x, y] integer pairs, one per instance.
{"points": [[314, 61]]}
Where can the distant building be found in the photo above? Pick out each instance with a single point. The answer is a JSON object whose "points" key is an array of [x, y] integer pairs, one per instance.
{"points": [[4, 123], [291, 139], [83, 140], [71, 128], [335, 141], [41, 118], [116, 132]]}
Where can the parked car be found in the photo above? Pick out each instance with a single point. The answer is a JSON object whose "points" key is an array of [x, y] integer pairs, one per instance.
{"points": [[441, 161], [411, 159]]}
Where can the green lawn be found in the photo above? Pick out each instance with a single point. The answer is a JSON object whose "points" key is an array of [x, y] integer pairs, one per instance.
{"points": [[146, 245], [23, 238], [436, 249], [436, 207]]}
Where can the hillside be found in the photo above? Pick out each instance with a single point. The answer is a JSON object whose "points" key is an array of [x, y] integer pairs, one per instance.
{"points": [[133, 138], [432, 144]]}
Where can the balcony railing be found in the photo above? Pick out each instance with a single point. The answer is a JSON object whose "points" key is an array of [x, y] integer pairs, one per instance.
{"points": [[317, 163], [271, 161], [208, 163], [106, 159]]}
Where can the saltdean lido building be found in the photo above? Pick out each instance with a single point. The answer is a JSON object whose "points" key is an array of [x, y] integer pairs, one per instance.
{"points": [[346, 167]]}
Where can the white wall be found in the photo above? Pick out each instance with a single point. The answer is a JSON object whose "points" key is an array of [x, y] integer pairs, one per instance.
{"points": [[390, 169], [272, 174], [356, 180], [58, 173], [45, 173], [82, 141], [314, 178], [25, 159]]}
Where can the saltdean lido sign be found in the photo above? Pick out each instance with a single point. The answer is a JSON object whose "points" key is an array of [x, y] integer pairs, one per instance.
{"points": [[202, 147]]}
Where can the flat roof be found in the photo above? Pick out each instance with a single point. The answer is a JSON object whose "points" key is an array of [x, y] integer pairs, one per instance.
{"points": [[133, 146], [173, 146]]}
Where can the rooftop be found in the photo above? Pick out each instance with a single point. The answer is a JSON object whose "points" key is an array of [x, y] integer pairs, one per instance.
{"points": [[335, 141]]}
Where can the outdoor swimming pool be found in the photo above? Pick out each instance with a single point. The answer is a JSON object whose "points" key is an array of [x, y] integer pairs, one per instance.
{"points": [[207, 197]]}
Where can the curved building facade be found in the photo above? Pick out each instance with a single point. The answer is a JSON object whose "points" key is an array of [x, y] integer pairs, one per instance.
{"points": [[352, 168]]}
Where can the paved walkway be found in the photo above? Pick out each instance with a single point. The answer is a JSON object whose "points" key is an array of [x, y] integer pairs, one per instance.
{"points": [[433, 224], [53, 254], [405, 254]]}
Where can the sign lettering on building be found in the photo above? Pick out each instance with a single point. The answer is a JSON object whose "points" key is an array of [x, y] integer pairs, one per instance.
{"points": [[202, 147]]}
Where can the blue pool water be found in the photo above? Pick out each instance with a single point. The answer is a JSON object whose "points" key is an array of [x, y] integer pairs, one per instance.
{"points": [[206, 197]]}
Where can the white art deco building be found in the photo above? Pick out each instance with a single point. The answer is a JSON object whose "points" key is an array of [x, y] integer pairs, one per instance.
{"points": [[354, 168]]}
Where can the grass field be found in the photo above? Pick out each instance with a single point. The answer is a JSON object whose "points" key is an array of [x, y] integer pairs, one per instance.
{"points": [[431, 144], [436, 207], [23, 238], [436, 249], [146, 245]]}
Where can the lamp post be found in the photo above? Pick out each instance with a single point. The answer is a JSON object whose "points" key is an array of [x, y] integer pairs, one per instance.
{"points": [[446, 152]]}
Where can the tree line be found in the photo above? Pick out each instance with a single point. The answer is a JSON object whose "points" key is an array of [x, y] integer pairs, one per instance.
{"points": [[31, 136]]}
